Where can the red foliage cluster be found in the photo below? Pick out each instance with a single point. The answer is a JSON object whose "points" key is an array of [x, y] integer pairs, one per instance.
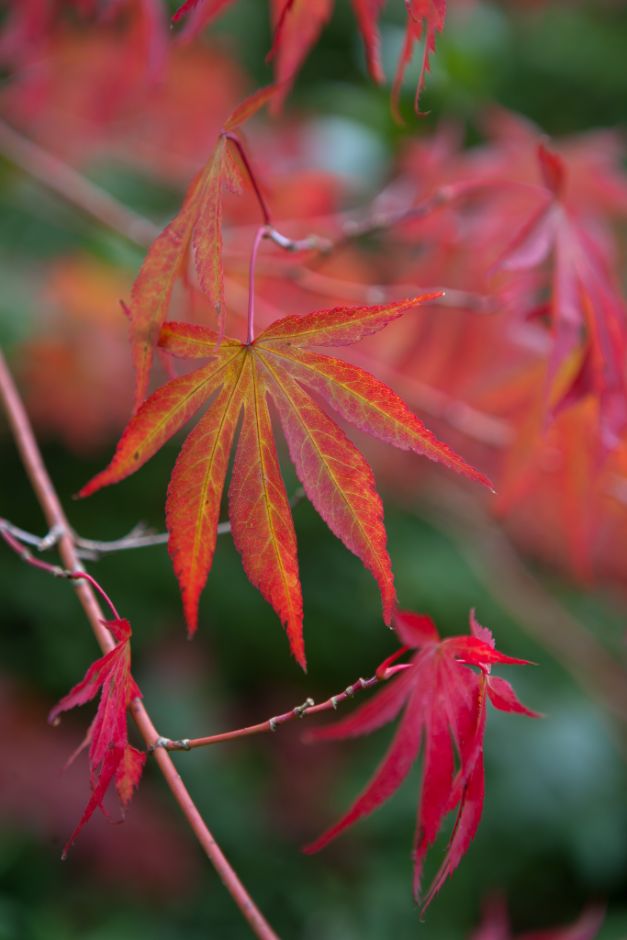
{"points": [[445, 712]]}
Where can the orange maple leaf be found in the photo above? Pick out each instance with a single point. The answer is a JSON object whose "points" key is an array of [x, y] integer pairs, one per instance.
{"points": [[335, 476], [195, 235]]}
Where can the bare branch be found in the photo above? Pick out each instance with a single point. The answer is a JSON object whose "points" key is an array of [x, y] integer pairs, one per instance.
{"points": [[55, 517], [307, 708]]}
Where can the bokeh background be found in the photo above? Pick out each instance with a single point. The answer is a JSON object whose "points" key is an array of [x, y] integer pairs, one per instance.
{"points": [[554, 833]]}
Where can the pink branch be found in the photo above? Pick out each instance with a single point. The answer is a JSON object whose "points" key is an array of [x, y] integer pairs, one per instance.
{"points": [[55, 570], [77, 575], [260, 235], [271, 724], [55, 517], [263, 205]]}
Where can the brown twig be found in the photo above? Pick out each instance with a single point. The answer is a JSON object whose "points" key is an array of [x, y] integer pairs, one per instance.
{"points": [[55, 517], [271, 724]]}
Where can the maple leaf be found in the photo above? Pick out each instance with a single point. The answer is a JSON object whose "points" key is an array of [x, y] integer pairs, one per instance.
{"points": [[423, 17], [335, 476], [194, 234], [111, 757], [445, 706], [586, 311], [298, 23]]}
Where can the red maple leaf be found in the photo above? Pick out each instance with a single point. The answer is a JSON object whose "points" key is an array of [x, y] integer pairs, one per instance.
{"points": [[445, 706], [238, 378], [195, 235], [111, 757], [298, 24], [586, 311]]}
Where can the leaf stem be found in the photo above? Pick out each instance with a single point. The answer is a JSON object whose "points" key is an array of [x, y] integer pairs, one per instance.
{"points": [[265, 212], [55, 517], [54, 570], [271, 724], [85, 576], [261, 233]]}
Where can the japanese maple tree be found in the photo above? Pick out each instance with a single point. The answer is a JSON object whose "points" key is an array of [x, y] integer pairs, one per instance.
{"points": [[478, 294]]}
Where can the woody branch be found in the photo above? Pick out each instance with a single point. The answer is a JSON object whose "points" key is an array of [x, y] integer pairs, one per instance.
{"points": [[55, 517]]}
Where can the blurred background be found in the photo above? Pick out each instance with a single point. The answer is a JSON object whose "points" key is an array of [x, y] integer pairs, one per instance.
{"points": [[553, 838]]}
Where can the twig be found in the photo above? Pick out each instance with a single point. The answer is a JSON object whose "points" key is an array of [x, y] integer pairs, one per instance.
{"points": [[134, 539], [92, 549], [271, 724], [308, 243], [355, 292], [259, 236], [55, 516], [75, 188], [55, 570]]}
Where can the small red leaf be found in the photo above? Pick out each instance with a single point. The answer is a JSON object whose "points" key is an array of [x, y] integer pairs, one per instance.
{"points": [[445, 705], [505, 699], [111, 757]]}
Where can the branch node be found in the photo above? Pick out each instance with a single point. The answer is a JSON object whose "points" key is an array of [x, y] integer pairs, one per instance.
{"points": [[300, 710], [273, 724], [160, 742], [54, 536]]}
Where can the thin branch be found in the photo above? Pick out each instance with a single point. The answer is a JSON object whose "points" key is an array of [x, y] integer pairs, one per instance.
{"points": [[259, 236], [75, 188], [271, 724], [41, 543], [55, 516], [92, 549], [308, 243], [478, 425], [54, 570], [356, 292]]}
